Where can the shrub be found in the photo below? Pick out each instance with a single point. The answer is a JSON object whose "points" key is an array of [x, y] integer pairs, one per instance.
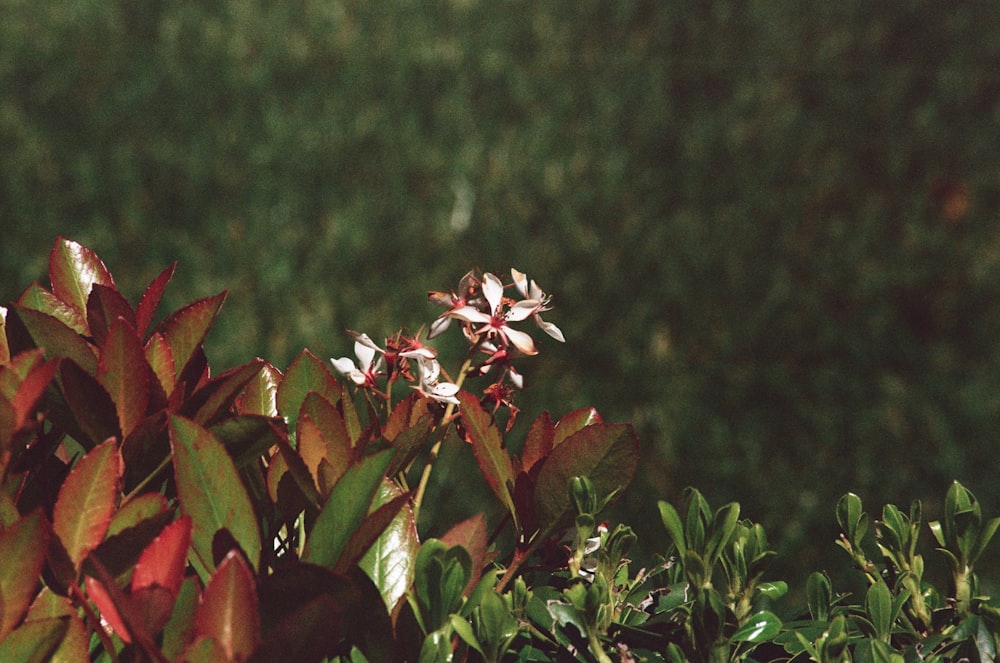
{"points": [[153, 510]]}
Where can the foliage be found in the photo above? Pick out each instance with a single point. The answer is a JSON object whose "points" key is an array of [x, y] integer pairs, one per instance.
{"points": [[151, 510]]}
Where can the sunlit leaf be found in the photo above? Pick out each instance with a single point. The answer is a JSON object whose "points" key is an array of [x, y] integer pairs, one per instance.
{"points": [[389, 560], [573, 422], [125, 374], [306, 373], [163, 561], [210, 491], [37, 298], [55, 337], [73, 270], [161, 360], [228, 611], [539, 441], [22, 549], [760, 627], [104, 306], [261, 394], [216, 398], [87, 500], [246, 437]]}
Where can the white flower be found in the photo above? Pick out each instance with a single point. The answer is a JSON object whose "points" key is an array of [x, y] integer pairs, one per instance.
{"points": [[495, 323], [369, 365], [429, 386], [533, 292]]}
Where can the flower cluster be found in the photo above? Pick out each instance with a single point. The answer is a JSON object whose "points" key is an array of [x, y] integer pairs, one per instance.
{"points": [[486, 314]]}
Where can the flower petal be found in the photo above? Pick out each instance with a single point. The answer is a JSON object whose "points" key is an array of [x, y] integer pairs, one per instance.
{"points": [[550, 329], [439, 326], [493, 291], [365, 353], [520, 281], [470, 314], [522, 310], [521, 340], [344, 365]]}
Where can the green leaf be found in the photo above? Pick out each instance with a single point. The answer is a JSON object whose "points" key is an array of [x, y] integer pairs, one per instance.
{"points": [[878, 603], [852, 519], [723, 526], [161, 360], [34, 641], [819, 595], [186, 329], [125, 374], [22, 547], [74, 645], [487, 445], [672, 523], [773, 590], [73, 270], [37, 298], [471, 534], [607, 454], [210, 491], [246, 437], [228, 611], [985, 536], [306, 373], [261, 394], [87, 500], [759, 627], [178, 629], [390, 560], [345, 509]]}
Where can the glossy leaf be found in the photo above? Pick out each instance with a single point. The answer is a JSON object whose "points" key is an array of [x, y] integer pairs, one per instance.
{"points": [[261, 394], [574, 422], [4, 345], [22, 547], [125, 374], [161, 360], [93, 410], [210, 491], [608, 454], [186, 328], [87, 500], [216, 398], [539, 441], [345, 509], [487, 445], [389, 560], [759, 627], [56, 338], [37, 298], [228, 611], [471, 534], [30, 390], [150, 300], [73, 270], [306, 373]]}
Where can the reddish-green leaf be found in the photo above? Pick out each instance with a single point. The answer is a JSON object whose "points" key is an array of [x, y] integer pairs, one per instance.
{"points": [[57, 339], [178, 629], [487, 444], [35, 641], [390, 559], [228, 612], [210, 491], [575, 421], [87, 500], [324, 436], [30, 391], [163, 561], [216, 398], [74, 645], [312, 448], [161, 360], [345, 509], [606, 453], [151, 299], [4, 346], [74, 269], [22, 549], [186, 328], [93, 410], [538, 443], [124, 373], [37, 298], [405, 415], [306, 373], [104, 306], [261, 394], [136, 510]]}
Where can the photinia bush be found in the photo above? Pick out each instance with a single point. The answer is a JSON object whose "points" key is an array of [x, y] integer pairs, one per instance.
{"points": [[152, 510]]}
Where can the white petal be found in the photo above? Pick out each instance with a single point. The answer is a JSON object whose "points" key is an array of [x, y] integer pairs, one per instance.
{"points": [[521, 340], [423, 352], [366, 355], [492, 290], [470, 314], [439, 326], [550, 329], [445, 391], [429, 370], [516, 378], [344, 365], [366, 340], [522, 310], [357, 377], [520, 280]]}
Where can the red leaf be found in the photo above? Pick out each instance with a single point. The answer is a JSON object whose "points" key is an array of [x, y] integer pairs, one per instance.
{"points": [[186, 328], [31, 389], [163, 561], [104, 306], [92, 408], [608, 454], [228, 612], [573, 422], [216, 398], [74, 269], [22, 549], [107, 607], [161, 360], [87, 501], [151, 299], [56, 338], [539, 441], [471, 534], [487, 445], [123, 371], [405, 415]]}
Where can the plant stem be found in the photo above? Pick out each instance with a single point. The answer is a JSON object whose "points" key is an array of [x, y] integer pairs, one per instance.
{"points": [[149, 477]]}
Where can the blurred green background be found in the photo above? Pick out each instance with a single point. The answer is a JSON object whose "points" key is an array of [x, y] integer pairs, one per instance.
{"points": [[770, 227]]}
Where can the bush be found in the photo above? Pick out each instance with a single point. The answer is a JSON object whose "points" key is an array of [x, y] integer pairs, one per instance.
{"points": [[152, 510]]}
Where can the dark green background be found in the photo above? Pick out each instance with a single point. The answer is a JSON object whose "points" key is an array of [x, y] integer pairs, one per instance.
{"points": [[770, 227]]}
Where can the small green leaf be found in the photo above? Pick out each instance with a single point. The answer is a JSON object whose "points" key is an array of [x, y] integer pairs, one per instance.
{"points": [[672, 523], [261, 394], [759, 627], [345, 509], [878, 603], [306, 373], [210, 491], [150, 299], [87, 500], [773, 590], [819, 595]]}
